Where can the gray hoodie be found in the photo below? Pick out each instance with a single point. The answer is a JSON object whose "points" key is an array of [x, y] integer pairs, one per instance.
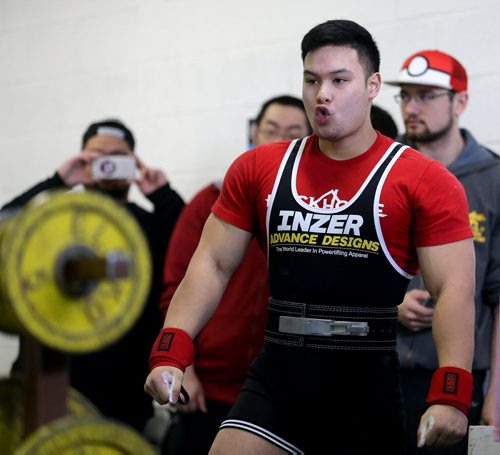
{"points": [[478, 169]]}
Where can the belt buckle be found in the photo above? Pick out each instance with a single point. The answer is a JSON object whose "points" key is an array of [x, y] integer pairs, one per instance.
{"points": [[321, 327], [357, 328]]}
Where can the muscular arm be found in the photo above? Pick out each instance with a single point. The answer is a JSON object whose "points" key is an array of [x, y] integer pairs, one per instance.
{"points": [[183, 242], [448, 272], [221, 249]]}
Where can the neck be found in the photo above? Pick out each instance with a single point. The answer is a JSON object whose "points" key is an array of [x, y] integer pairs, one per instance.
{"points": [[349, 146], [445, 149]]}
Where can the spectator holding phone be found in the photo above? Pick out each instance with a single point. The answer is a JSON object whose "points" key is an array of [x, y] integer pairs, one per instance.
{"points": [[121, 367]]}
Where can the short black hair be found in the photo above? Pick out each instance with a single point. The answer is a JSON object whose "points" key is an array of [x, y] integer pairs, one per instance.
{"points": [[382, 121], [120, 129], [284, 100], [341, 32]]}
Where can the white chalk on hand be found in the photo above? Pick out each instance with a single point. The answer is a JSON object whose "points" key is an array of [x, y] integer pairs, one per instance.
{"points": [[429, 423], [168, 379]]}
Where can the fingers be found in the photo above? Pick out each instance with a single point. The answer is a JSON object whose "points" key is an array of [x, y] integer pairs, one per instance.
{"points": [[190, 407], [425, 426], [164, 385], [159, 394], [416, 323], [441, 425], [140, 163], [203, 405], [431, 435], [89, 155], [173, 386]]}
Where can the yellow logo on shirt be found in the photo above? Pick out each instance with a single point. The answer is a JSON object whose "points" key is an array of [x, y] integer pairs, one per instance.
{"points": [[478, 229], [333, 232]]}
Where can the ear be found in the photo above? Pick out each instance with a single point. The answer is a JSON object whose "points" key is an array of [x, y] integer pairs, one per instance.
{"points": [[460, 101], [373, 85]]}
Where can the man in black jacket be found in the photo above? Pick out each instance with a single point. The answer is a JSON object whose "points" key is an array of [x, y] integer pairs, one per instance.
{"points": [[121, 367]]}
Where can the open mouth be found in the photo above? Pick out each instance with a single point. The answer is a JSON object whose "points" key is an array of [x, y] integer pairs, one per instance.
{"points": [[321, 114]]}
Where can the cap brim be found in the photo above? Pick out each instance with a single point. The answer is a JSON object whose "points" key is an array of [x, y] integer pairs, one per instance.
{"points": [[407, 82]]}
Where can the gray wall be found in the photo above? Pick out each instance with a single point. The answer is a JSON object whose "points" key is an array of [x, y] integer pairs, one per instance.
{"points": [[186, 75]]}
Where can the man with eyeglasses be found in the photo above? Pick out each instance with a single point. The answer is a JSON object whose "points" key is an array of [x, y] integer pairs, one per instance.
{"points": [[228, 343], [433, 95]]}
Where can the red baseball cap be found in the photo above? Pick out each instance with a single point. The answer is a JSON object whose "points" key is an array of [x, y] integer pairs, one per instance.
{"points": [[434, 68]]}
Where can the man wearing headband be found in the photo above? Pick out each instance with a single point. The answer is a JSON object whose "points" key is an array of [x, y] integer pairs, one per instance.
{"points": [[432, 97], [112, 378]]}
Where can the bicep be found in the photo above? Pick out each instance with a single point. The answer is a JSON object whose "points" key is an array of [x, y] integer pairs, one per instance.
{"points": [[451, 264], [224, 243], [220, 250]]}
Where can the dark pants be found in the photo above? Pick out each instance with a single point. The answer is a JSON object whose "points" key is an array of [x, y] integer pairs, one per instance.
{"points": [[415, 386], [193, 434]]}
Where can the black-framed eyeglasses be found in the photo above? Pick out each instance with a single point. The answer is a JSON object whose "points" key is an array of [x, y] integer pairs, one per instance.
{"points": [[424, 97]]}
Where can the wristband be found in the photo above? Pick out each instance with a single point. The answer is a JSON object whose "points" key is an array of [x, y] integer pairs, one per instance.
{"points": [[173, 347], [452, 386]]}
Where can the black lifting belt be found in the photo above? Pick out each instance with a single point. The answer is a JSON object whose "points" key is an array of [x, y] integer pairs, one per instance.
{"points": [[331, 327]]}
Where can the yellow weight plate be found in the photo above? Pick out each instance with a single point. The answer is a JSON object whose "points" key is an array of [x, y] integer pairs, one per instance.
{"points": [[11, 427], [85, 435], [9, 321], [32, 247], [11, 402], [79, 404]]}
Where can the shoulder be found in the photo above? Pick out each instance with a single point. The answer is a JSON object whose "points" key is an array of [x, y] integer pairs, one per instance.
{"points": [[422, 178], [416, 163], [264, 153], [258, 162]]}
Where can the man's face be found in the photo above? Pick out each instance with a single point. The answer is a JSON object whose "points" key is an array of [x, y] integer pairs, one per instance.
{"points": [[280, 123], [336, 92], [428, 112], [109, 145]]}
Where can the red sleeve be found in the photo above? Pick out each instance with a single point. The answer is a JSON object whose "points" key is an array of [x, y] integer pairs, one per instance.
{"points": [[441, 208], [183, 242], [237, 203]]}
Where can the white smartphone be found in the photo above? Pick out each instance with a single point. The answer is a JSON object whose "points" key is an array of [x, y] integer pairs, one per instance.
{"points": [[114, 167]]}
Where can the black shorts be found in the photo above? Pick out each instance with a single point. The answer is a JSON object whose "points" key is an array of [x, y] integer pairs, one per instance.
{"points": [[317, 402]]}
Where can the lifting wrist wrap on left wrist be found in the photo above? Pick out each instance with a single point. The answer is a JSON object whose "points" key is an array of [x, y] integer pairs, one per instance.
{"points": [[451, 386], [173, 347]]}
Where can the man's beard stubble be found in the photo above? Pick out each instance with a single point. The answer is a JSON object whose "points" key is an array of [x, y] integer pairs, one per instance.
{"points": [[428, 136]]}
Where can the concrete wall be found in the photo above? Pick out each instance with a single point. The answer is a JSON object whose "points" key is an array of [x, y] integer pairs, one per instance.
{"points": [[186, 75]]}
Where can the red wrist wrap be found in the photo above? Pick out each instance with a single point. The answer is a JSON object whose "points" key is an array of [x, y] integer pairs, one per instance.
{"points": [[173, 347], [452, 386]]}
